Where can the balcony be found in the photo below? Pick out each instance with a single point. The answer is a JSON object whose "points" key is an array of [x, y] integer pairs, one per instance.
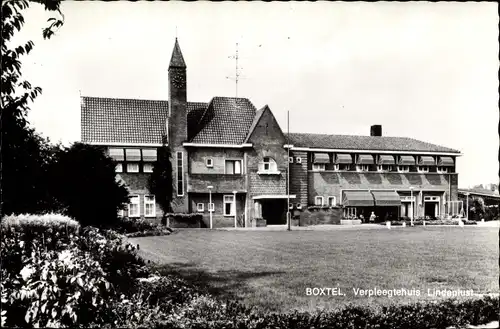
{"points": [[222, 183]]}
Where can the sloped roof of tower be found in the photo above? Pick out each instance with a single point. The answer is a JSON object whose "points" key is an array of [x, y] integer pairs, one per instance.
{"points": [[177, 59]]}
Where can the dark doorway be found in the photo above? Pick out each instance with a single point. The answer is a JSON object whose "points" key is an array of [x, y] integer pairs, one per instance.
{"points": [[274, 212], [430, 209]]}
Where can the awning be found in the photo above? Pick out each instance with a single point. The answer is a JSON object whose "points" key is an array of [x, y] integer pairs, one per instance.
{"points": [[274, 196], [343, 159], [321, 158], [446, 162], [357, 199], [149, 155], [426, 161], [116, 154], [386, 198], [386, 160], [406, 160], [133, 154], [365, 159]]}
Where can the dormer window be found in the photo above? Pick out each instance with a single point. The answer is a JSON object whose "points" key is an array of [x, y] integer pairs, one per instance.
{"points": [[268, 166]]}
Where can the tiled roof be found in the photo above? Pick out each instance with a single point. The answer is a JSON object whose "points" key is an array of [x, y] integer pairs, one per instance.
{"points": [[195, 112], [226, 120], [112, 120], [379, 143]]}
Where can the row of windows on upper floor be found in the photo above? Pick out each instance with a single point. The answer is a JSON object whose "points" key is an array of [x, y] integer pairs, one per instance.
{"points": [[381, 168]]}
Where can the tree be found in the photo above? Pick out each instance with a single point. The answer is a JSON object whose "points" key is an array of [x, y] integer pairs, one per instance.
{"points": [[160, 181], [84, 183], [24, 152]]}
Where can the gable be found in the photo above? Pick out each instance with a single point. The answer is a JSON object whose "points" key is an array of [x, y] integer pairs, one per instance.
{"points": [[265, 129]]}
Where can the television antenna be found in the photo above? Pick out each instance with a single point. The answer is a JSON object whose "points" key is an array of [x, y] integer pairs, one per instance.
{"points": [[237, 73]]}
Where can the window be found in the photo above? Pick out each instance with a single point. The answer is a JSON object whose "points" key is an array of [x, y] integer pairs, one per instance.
{"points": [[362, 167], [423, 168], [342, 166], [228, 205], [200, 207], [384, 168], [442, 170], [180, 174], [268, 165], [211, 207], [119, 167], [318, 201], [298, 160], [132, 167], [290, 159], [349, 212], [209, 162], [318, 166], [298, 206], [233, 167], [403, 168], [332, 201], [147, 167], [149, 206], [133, 206]]}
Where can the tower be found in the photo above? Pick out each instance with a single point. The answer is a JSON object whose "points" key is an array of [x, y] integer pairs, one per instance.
{"points": [[177, 98], [177, 128]]}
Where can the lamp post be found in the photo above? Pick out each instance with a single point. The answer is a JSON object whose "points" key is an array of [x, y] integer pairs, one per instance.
{"points": [[234, 207], [467, 209], [210, 203], [412, 206]]}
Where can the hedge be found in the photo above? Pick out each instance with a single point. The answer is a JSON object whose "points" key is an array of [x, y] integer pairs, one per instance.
{"points": [[184, 220]]}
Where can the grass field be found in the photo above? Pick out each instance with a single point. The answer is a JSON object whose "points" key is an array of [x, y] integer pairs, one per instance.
{"points": [[271, 270]]}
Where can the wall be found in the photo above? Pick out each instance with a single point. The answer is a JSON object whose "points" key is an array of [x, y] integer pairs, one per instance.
{"points": [[329, 183], [320, 217], [137, 185], [218, 218], [298, 178], [268, 140], [198, 156]]}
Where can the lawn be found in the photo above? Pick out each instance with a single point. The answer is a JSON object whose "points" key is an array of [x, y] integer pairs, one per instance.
{"points": [[272, 269]]}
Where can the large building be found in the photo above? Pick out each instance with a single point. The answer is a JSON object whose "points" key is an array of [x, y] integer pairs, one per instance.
{"points": [[237, 156]]}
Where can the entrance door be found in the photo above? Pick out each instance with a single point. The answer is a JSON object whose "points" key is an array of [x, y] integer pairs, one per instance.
{"points": [[274, 212]]}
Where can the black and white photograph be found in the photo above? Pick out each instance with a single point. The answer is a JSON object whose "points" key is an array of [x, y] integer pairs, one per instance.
{"points": [[265, 165]]}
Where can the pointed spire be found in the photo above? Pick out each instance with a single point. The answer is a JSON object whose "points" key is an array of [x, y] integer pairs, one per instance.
{"points": [[177, 60]]}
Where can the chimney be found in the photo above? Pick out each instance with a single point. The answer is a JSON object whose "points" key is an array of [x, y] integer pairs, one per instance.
{"points": [[376, 130]]}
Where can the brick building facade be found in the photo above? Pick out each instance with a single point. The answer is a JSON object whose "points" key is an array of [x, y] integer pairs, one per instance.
{"points": [[230, 161]]}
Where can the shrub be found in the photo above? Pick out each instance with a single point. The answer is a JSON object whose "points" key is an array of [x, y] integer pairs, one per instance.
{"points": [[140, 227], [84, 171], [184, 219]]}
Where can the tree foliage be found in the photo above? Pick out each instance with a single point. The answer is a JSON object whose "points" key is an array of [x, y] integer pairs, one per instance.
{"points": [[83, 180], [160, 181], [25, 154]]}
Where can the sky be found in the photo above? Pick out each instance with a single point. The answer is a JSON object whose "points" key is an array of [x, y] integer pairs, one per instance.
{"points": [[423, 70]]}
